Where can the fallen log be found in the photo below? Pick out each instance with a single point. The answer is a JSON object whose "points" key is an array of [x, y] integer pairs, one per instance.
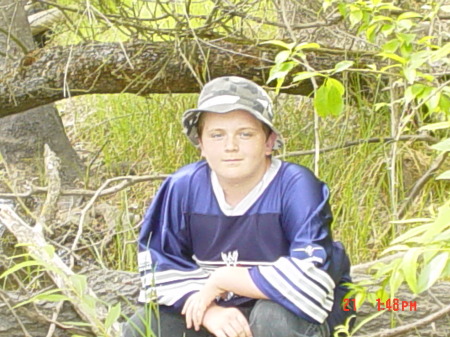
{"points": [[118, 286]]}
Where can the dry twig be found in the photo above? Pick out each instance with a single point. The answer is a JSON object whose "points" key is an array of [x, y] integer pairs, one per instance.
{"points": [[412, 326], [423, 138], [60, 273], [127, 181]]}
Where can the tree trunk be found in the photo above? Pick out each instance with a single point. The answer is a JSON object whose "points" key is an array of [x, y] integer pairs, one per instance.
{"points": [[123, 287], [22, 137]]}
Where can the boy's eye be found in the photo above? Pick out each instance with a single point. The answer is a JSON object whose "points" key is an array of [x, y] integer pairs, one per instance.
{"points": [[246, 135], [216, 135]]}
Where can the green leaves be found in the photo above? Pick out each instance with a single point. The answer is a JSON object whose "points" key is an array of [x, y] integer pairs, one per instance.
{"points": [[426, 257], [409, 15], [394, 57], [25, 264], [113, 315], [445, 176], [409, 268], [52, 295], [305, 75], [432, 271], [279, 72], [328, 99], [343, 65], [391, 46], [286, 60], [79, 284], [442, 146], [413, 63], [441, 53]]}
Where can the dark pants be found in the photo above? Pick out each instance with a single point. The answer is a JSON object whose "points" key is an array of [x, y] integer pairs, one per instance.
{"points": [[266, 318]]}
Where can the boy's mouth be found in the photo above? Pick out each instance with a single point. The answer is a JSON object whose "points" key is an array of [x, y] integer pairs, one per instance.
{"points": [[231, 160]]}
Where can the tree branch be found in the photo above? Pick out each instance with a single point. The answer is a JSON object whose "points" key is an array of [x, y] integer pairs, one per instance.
{"points": [[60, 273], [51, 163], [34, 240], [437, 163], [11, 309], [424, 138], [142, 68], [15, 39], [413, 326], [127, 181]]}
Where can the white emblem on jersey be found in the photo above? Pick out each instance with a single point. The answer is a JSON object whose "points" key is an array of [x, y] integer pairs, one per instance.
{"points": [[308, 250], [230, 258]]}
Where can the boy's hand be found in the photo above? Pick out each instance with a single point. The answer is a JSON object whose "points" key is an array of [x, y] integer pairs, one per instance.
{"points": [[197, 304], [226, 322]]}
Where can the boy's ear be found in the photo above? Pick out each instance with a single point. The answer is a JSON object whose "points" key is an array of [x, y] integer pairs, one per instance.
{"points": [[200, 146], [270, 143]]}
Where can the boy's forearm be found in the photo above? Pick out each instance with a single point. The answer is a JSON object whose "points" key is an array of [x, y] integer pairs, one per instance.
{"points": [[236, 280]]}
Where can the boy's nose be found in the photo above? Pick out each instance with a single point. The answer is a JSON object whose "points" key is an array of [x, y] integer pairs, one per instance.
{"points": [[231, 144]]}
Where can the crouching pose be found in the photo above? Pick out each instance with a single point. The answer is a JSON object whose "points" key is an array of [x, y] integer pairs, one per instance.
{"points": [[239, 244]]}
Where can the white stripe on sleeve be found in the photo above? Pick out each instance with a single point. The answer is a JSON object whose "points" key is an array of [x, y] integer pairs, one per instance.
{"points": [[304, 281], [170, 293], [160, 277], [316, 274], [293, 295], [293, 278]]}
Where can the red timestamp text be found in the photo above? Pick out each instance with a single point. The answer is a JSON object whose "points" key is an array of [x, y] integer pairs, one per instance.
{"points": [[391, 304], [394, 304]]}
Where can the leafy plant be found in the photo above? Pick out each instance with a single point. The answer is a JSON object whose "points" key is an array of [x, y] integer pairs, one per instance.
{"points": [[77, 293], [408, 64], [328, 97]]}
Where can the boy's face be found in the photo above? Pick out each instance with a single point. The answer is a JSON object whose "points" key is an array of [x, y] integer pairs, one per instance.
{"points": [[235, 145]]}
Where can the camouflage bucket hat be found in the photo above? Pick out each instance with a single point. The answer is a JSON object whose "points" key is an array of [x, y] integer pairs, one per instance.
{"points": [[225, 94]]}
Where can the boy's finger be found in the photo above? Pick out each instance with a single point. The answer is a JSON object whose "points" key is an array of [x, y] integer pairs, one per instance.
{"points": [[188, 313], [247, 330], [198, 318], [244, 326], [186, 305]]}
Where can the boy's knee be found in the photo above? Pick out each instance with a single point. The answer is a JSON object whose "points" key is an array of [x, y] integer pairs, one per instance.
{"points": [[269, 319], [267, 316]]}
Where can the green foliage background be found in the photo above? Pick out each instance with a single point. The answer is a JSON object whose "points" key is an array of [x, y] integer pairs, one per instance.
{"points": [[125, 134]]}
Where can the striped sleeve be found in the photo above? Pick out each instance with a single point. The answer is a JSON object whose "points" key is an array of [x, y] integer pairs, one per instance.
{"points": [[302, 281], [168, 286], [297, 285], [168, 273]]}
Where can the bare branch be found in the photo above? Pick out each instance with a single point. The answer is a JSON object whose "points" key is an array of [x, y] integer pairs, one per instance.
{"points": [[53, 190], [437, 163], [42, 21], [424, 138], [60, 273], [127, 182], [11, 309], [413, 326], [15, 39]]}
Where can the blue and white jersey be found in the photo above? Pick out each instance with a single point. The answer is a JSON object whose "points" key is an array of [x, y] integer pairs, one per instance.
{"points": [[280, 231]]}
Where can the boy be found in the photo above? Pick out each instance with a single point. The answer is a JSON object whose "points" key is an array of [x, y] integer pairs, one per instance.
{"points": [[239, 244]]}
